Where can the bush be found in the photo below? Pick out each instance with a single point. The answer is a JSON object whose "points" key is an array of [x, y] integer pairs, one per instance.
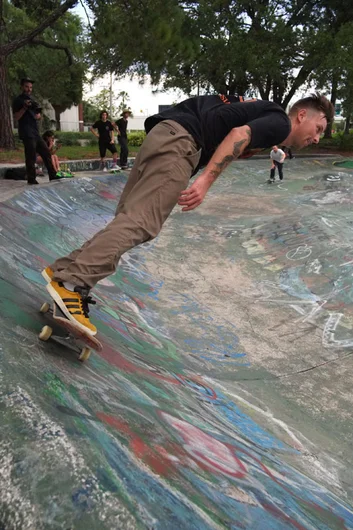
{"points": [[135, 139], [346, 141], [338, 126], [65, 138], [70, 138]]}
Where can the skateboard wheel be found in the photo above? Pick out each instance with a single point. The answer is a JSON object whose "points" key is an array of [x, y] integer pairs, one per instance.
{"points": [[84, 355], [46, 333], [45, 308]]}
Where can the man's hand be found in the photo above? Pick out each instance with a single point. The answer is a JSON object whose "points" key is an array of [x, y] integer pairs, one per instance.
{"points": [[111, 141], [27, 103], [38, 116], [192, 197]]}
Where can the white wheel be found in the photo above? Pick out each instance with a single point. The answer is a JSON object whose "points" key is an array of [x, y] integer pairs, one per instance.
{"points": [[46, 333], [45, 308], [84, 355]]}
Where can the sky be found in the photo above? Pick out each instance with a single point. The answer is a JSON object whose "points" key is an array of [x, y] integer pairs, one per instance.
{"points": [[142, 101], [141, 98]]}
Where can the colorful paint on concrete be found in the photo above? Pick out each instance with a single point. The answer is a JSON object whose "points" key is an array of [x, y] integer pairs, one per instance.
{"points": [[178, 423]]}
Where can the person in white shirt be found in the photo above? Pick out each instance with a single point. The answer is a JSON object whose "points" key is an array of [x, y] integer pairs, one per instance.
{"points": [[277, 157]]}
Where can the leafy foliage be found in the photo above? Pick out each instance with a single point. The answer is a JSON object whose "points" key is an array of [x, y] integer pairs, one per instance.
{"points": [[55, 79], [268, 47]]}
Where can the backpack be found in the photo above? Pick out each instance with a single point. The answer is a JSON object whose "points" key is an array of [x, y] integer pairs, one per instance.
{"points": [[16, 173]]}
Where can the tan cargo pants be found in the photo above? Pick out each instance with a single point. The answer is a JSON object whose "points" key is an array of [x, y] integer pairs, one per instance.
{"points": [[162, 169]]}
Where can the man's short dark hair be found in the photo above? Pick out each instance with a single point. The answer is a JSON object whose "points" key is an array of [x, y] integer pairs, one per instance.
{"points": [[103, 112], [315, 102], [26, 80]]}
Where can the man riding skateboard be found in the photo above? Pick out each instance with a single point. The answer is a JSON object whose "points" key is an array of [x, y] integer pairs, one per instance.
{"points": [[205, 132]]}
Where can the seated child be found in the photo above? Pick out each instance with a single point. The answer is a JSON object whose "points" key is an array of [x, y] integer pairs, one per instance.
{"points": [[49, 139]]}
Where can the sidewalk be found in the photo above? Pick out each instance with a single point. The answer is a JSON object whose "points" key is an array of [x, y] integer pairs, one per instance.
{"points": [[69, 165]]}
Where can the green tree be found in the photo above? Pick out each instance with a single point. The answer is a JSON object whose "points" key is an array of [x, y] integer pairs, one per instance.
{"points": [[90, 112], [19, 30], [63, 83], [209, 46], [124, 97], [138, 37], [101, 101]]}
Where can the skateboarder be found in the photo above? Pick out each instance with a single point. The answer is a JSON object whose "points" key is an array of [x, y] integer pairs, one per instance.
{"points": [[121, 126], [206, 131], [277, 158]]}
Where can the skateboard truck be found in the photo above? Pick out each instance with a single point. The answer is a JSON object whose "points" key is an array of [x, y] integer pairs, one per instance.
{"points": [[85, 343]]}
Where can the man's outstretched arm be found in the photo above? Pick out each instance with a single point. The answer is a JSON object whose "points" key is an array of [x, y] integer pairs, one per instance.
{"points": [[230, 149]]}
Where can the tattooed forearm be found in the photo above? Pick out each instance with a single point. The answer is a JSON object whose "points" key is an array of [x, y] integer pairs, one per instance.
{"points": [[228, 158], [228, 151]]}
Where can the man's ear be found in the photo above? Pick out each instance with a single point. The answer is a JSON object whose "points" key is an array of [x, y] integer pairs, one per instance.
{"points": [[302, 114]]}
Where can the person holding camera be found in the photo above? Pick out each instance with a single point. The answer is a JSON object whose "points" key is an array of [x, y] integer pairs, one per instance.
{"points": [[27, 112]]}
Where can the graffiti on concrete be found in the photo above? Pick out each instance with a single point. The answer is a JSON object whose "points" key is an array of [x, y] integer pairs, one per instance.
{"points": [[139, 437]]}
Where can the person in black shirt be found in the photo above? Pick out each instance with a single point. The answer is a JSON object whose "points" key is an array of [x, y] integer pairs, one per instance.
{"points": [[122, 138], [206, 131], [106, 139], [27, 112], [288, 152]]}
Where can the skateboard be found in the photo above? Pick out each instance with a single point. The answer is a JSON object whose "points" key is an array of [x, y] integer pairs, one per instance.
{"points": [[73, 337]]}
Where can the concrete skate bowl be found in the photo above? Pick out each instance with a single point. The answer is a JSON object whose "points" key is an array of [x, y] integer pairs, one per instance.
{"points": [[221, 397]]}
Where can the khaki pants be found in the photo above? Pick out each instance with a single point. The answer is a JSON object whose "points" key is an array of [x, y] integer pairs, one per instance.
{"points": [[162, 169]]}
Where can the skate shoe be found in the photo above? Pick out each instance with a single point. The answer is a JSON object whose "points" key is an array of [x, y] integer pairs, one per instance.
{"points": [[64, 175], [74, 305], [48, 274]]}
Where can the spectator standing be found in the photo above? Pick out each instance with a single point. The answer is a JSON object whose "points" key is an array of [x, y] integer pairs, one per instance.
{"points": [[287, 151], [27, 112], [122, 137]]}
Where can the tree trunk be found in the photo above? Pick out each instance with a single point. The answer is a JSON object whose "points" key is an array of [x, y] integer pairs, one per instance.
{"points": [[328, 130], [57, 117], [347, 124], [7, 140]]}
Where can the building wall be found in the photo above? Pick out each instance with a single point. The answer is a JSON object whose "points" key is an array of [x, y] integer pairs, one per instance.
{"points": [[69, 119], [136, 123]]}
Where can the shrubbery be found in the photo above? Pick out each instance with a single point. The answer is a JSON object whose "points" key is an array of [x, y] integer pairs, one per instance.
{"points": [[71, 138], [135, 138], [339, 142]]}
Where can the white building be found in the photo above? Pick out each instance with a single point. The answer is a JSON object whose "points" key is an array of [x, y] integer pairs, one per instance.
{"points": [[71, 119], [136, 123]]}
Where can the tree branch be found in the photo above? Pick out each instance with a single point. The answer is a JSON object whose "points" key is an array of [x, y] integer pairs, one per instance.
{"points": [[11, 47], [300, 79], [53, 46]]}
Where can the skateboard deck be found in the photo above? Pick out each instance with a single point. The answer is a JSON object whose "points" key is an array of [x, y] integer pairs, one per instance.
{"points": [[84, 342]]}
